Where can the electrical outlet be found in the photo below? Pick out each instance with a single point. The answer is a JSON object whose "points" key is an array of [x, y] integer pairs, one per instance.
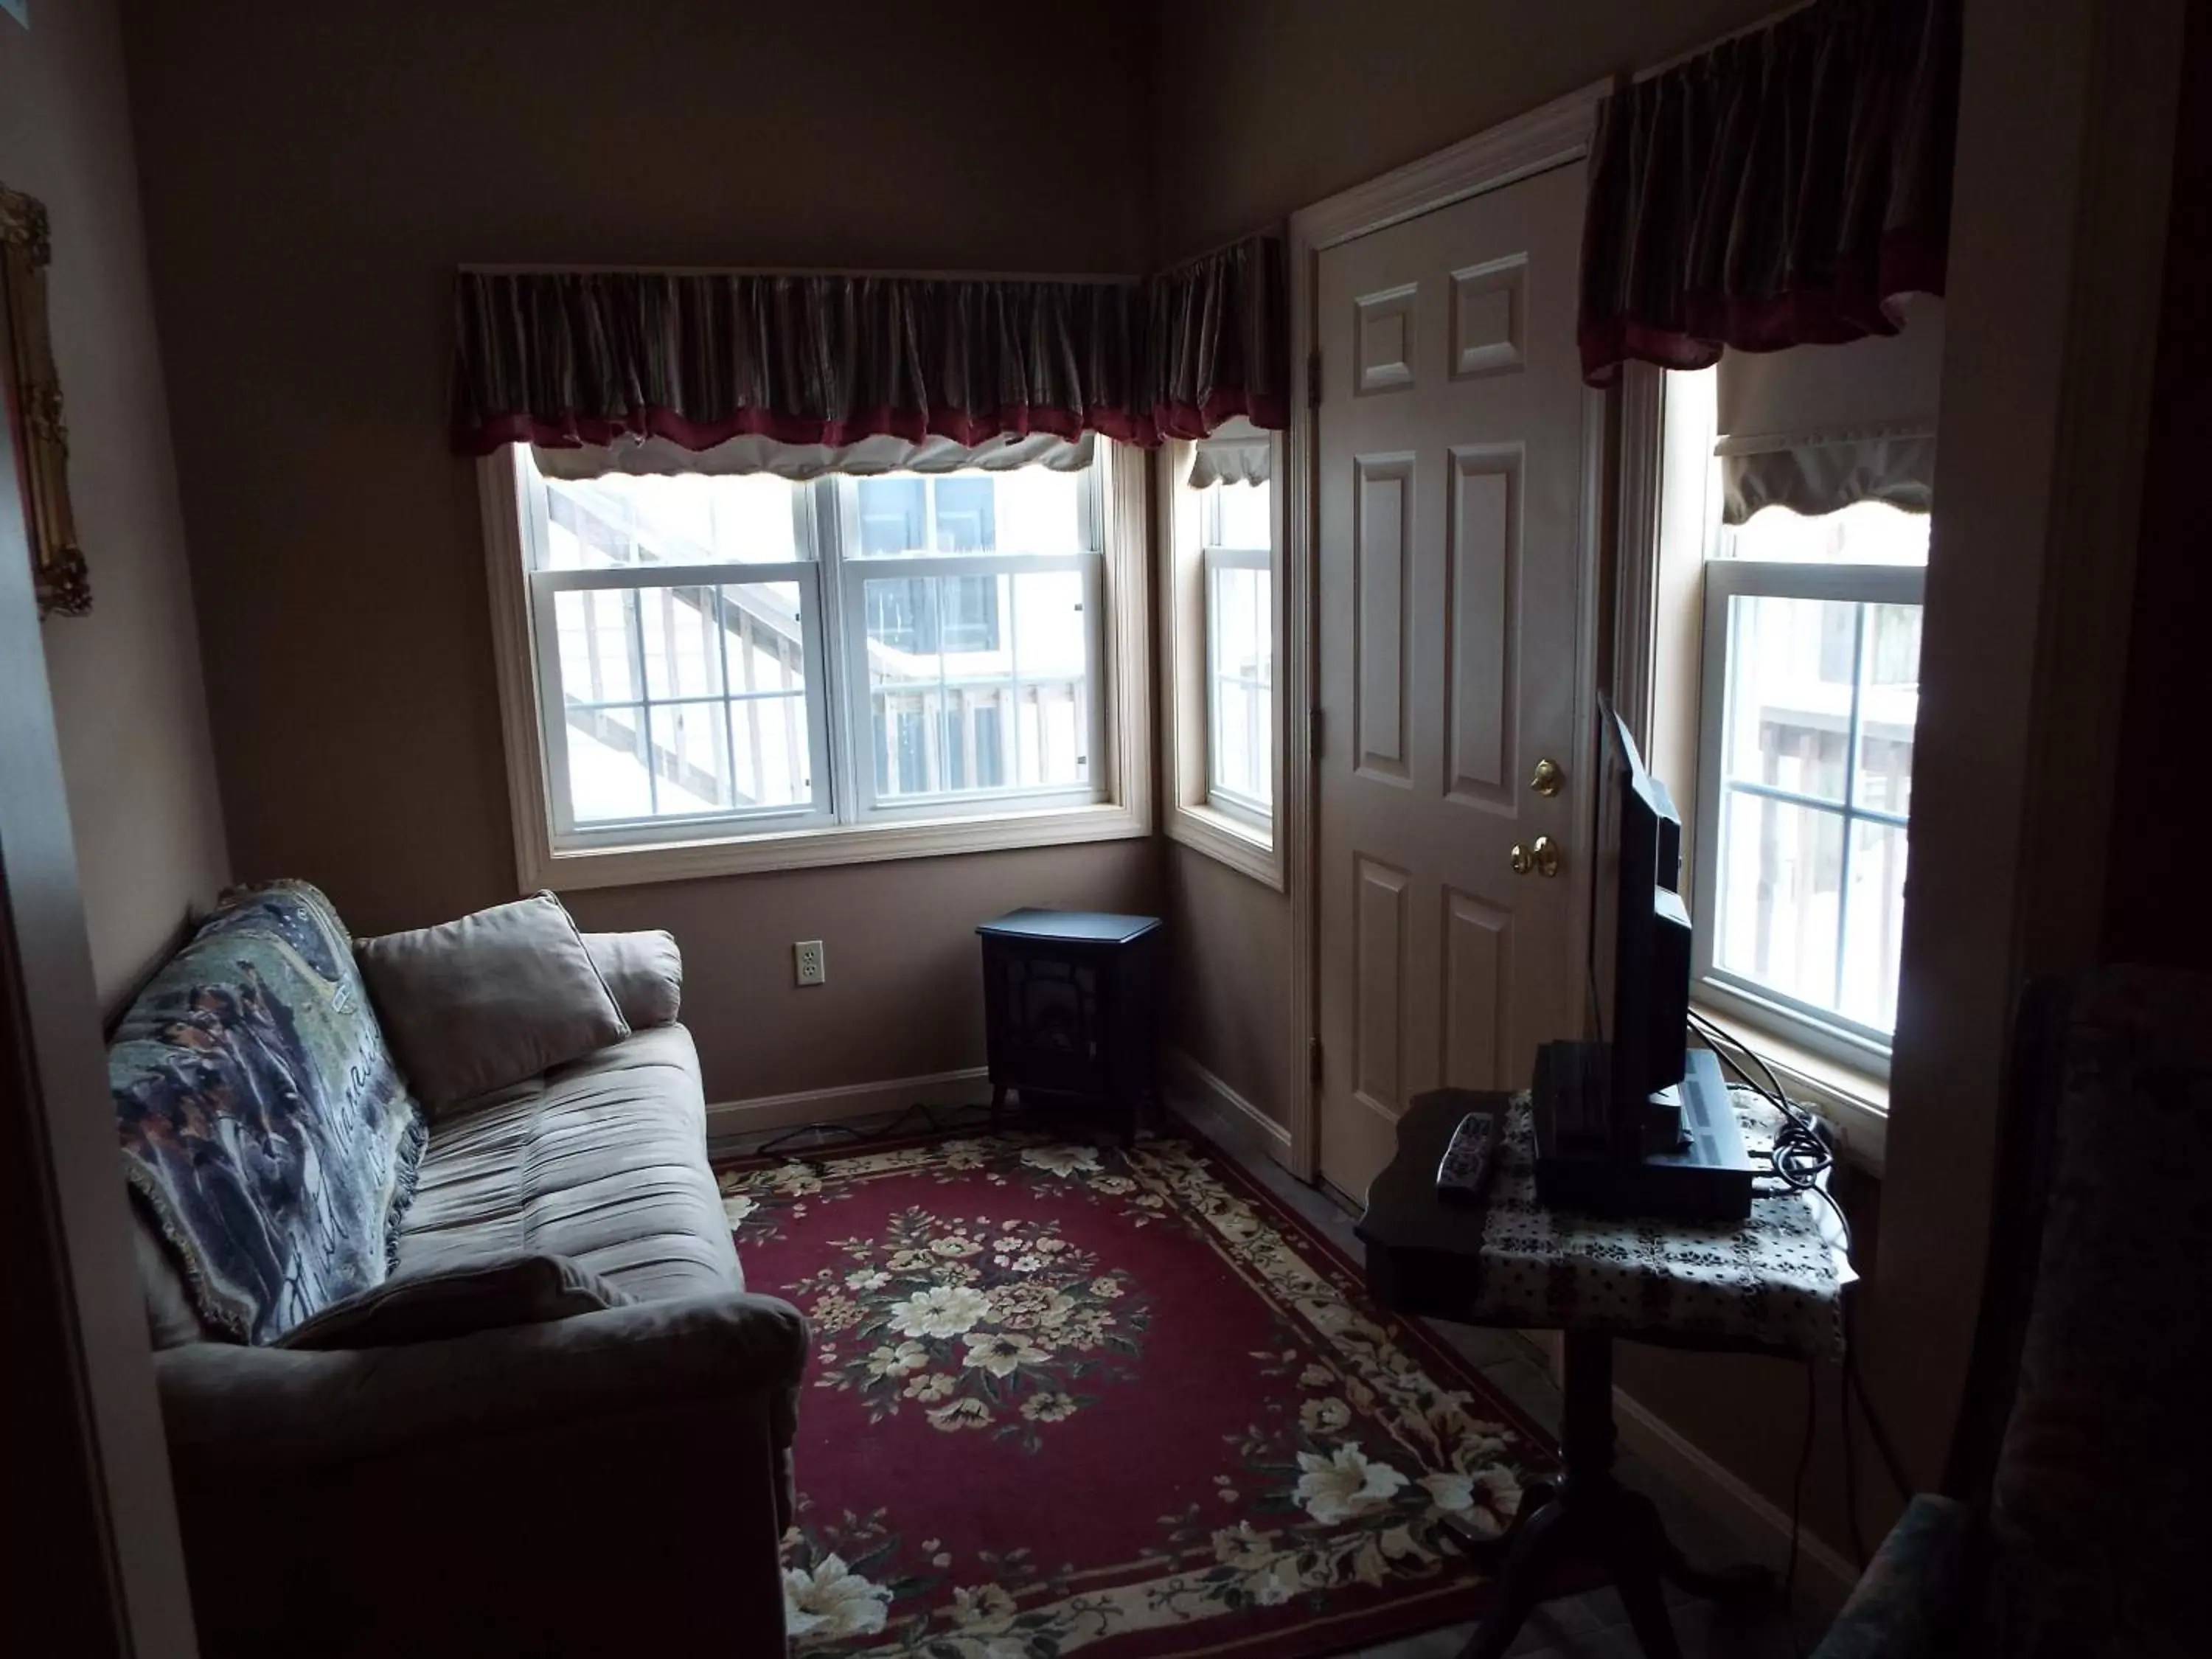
{"points": [[806, 962]]}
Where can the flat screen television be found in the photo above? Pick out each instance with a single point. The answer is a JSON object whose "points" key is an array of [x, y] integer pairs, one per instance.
{"points": [[1639, 932], [1632, 1120]]}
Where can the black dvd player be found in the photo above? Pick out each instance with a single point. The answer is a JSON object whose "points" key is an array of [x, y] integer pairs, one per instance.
{"points": [[1693, 1166]]}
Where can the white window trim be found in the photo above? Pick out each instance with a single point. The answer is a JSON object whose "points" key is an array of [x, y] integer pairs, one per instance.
{"points": [[1238, 838], [1121, 691], [1819, 1031]]}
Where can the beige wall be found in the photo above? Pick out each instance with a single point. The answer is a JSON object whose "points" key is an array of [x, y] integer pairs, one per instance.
{"points": [[1266, 107], [129, 711], [313, 176]]}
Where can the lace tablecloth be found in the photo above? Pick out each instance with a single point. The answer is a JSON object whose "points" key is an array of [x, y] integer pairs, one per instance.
{"points": [[1774, 1281]]}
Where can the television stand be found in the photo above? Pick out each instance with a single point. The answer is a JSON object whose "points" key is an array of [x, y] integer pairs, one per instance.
{"points": [[1770, 1285], [1587, 1516]]}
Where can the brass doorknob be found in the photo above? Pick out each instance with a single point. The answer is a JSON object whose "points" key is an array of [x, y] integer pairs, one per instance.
{"points": [[1546, 853], [1522, 862], [1547, 777]]}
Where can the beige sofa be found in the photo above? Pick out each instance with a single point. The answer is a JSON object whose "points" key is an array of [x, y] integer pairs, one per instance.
{"points": [[611, 1482]]}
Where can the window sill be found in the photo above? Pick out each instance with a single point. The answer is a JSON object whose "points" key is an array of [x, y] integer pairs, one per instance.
{"points": [[1241, 845], [1854, 1103], [815, 848]]}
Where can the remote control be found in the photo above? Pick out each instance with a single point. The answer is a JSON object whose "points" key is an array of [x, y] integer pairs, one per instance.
{"points": [[1468, 1162]]}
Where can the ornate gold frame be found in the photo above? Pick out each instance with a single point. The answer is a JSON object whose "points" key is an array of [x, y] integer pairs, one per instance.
{"points": [[34, 406]]}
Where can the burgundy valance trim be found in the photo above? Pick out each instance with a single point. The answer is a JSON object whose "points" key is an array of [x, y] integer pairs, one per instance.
{"points": [[1785, 188], [565, 359]]}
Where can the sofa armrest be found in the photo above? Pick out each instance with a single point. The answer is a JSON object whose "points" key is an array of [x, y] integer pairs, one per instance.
{"points": [[1907, 1603], [236, 1408], [616, 1481]]}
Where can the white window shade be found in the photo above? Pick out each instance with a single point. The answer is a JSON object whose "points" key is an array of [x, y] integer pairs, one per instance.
{"points": [[1813, 473], [1230, 460], [1818, 428], [657, 457]]}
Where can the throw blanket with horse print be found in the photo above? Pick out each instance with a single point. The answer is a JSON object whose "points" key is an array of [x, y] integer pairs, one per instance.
{"points": [[263, 1122]]}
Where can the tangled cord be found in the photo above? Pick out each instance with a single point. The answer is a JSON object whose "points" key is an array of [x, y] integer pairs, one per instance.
{"points": [[1802, 1157]]}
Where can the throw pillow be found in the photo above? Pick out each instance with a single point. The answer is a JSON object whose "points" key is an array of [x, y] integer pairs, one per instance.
{"points": [[645, 972], [442, 1303], [263, 1127], [475, 1005]]}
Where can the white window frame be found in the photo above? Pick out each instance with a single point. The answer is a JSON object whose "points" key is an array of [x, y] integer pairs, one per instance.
{"points": [[835, 829], [1223, 827], [1821, 1030]]}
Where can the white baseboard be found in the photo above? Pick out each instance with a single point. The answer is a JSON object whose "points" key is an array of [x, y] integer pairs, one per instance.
{"points": [[1824, 1576], [1219, 1110], [728, 1119]]}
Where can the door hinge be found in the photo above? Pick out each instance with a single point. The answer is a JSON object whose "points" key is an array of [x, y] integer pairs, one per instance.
{"points": [[1314, 735], [1313, 1058], [1313, 380]]}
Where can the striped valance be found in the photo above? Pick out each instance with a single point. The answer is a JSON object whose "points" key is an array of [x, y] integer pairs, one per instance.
{"points": [[1786, 188], [560, 359]]}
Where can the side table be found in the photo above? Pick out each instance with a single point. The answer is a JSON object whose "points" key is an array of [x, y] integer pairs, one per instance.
{"points": [[1771, 1285], [1069, 1000]]}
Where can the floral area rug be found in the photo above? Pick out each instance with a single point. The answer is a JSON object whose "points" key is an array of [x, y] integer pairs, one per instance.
{"points": [[1072, 1398]]}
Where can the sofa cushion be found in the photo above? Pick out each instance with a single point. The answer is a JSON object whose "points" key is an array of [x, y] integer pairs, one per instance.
{"points": [[490, 999], [603, 1160], [458, 1298], [645, 972], [264, 1129]]}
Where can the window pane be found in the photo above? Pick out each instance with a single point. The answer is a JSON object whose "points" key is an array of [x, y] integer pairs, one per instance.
{"points": [[690, 519], [763, 642], [598, 630], [773, 766], [691, 758], [977, 682], [1874, 926], [1866, 532], [1050, 640], [1789, 709], [1242, 763], [1241, 668], [607, 777], [722, 727], [1781, 867], [1032, 509], [894, 515], [683, 652], [1240, 518], [1889, 707]]}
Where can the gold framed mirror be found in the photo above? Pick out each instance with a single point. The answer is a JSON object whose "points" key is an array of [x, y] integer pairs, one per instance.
{"points": [[33, 396]]}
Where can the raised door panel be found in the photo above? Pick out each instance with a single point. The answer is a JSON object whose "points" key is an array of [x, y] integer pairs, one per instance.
{"points": [[1482, 566], [1478, 976], [1380, 933], [1382, 594], [1382, 335], [1489, 309]]}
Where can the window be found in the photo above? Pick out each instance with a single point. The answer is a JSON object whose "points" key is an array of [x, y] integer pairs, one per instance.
{"points": [[1810, 692], [1219, 620], [1240, 650], [714, 660]]}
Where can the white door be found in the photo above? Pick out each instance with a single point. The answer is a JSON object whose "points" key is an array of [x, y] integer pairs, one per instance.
{"points": [[1451, 602]]}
